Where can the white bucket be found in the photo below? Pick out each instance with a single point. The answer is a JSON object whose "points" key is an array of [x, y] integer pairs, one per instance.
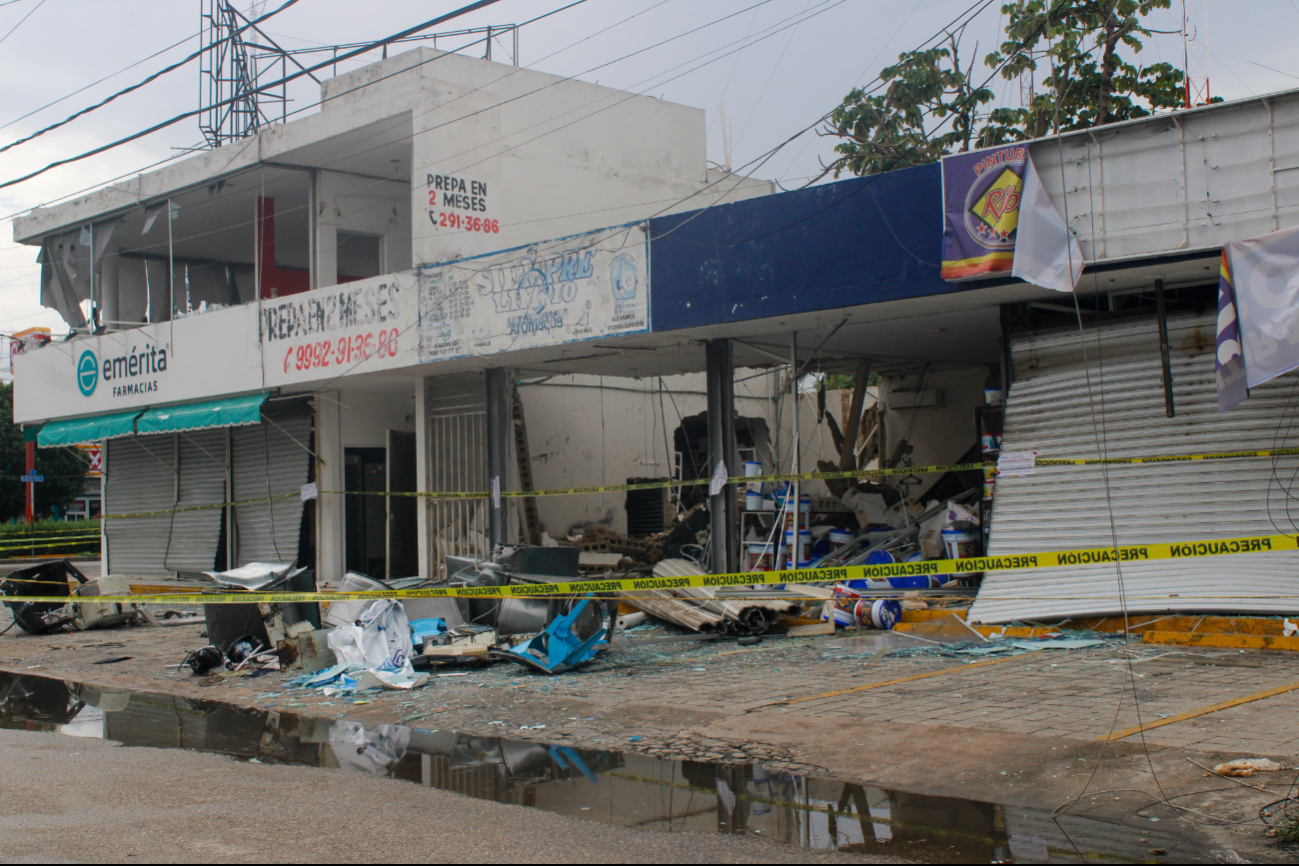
{"points": [[960, 543], [752, 501], [752, 468]]}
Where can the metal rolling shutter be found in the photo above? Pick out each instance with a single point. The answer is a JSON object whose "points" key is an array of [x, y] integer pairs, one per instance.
{"points": [[195, 534], [268, 463], [1062, 508], [140, 478]]}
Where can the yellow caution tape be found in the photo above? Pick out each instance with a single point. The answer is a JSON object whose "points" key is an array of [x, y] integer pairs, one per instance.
{"points": [[734, 479], [839, 574], [822, 476], [182, 510]]}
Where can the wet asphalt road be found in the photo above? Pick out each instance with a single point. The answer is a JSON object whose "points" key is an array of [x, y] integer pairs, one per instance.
{"points": [[65, 799]]}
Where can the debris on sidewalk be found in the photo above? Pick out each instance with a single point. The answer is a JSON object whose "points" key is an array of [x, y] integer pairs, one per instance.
{"points": [[1246, 767]]}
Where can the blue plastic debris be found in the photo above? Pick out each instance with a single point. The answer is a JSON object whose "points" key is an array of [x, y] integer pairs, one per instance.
{"points": [[557, 649]]}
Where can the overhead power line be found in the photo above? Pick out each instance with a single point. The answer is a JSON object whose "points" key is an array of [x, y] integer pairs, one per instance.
{"points": [[410, 31], [157, 53], [21, 20], [134, 87]]}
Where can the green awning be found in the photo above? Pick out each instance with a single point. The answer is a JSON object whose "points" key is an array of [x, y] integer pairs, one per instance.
{"points": [[82, 431], [230, 412]]}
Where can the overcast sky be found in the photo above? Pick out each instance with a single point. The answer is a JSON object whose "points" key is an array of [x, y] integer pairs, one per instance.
{"points": [[789, 62]]}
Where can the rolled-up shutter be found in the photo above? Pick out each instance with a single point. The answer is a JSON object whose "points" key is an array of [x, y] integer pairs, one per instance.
{"points": [[1051, 410], [140, 477], [271, 464], [195, 533]]}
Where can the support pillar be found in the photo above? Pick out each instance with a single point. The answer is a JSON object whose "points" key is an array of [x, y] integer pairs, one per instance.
{"points": [[331, 549], [498, 450], [422, 480], [722, 448]]}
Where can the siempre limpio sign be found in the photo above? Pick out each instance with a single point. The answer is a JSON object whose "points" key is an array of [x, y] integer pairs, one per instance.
{"points": [[981, 193]]}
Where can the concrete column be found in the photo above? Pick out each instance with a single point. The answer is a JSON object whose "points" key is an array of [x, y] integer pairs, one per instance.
{"points": [[423, 482], [331, 550], [498, 448], [722, 447]]}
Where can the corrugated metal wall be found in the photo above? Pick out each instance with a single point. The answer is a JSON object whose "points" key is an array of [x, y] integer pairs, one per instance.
{"points": [[140, 477], [1064, 507], [270, 464], [194, 534]]}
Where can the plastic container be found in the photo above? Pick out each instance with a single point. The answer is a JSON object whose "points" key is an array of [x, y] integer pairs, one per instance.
{"points": [[804, 551], [880, 613], [961, 543], [993, 396], [752, 468], [753, 501], [838, 538], [831, 612], [760, 556], [880, 557], [916, 581]]}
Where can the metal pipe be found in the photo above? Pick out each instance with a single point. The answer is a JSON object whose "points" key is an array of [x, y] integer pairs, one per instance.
{"points": [[796, 548], [1165, 358]]}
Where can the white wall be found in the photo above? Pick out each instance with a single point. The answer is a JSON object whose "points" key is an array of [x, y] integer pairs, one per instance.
{"points": [[349, 203], [563, 157], [939, 435], [591, 430], [367, 416]]}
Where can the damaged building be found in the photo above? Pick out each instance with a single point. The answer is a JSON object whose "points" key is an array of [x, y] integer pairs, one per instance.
{"points": [[357, 341]]}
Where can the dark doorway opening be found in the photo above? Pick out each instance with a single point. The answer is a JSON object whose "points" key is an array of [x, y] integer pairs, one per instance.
{"points": [[366, 516]]}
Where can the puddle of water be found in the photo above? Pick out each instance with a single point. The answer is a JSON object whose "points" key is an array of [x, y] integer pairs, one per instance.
{"points": [[626, 790]]}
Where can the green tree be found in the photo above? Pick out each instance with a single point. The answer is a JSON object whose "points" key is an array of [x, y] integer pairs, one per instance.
{"points": [[893, 129], [1088, 82], [930, 106], [64, 471]]}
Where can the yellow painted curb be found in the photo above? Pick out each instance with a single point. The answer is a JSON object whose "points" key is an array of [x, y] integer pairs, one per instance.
{"points": [[1222, 641]]}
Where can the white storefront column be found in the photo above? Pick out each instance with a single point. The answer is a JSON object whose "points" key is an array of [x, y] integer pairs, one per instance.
{"points": [[422, 479], [331, 551]]}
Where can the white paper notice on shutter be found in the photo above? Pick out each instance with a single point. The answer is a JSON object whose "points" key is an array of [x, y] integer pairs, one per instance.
{"points": [[1016, 464]]}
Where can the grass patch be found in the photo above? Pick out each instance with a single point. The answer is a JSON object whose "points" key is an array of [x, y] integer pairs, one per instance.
{"points": [[49, 538]]}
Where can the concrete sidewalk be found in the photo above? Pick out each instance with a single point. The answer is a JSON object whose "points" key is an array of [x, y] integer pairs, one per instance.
{"points": [[1026, 729]]}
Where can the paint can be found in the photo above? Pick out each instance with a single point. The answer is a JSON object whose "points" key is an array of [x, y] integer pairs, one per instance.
{"points": [[760, 556], [752, 501], [961, 543], [880, 557], [840, 537], [804, 547], [880, 613]]}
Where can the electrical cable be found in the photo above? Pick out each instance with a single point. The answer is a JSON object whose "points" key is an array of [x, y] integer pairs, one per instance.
{"points": [[20, 22], [157, 53], [464, 10], [134, 87]]}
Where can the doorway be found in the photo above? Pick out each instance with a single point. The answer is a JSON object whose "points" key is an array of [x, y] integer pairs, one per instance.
{"points": [[366, 516]]}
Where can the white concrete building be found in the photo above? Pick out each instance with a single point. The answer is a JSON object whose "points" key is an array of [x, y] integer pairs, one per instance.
{"points": [[274, 313]]}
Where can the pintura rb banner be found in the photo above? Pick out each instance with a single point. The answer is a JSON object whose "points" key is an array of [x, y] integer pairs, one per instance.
{"points": [[981, 196]]}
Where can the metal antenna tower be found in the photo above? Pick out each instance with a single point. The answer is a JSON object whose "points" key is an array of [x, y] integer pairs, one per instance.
{"points": [[226, 77]]}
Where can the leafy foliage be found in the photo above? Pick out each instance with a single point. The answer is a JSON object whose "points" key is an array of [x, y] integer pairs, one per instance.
{"points": [[1066, 36], [64, 471], [931, 106]]}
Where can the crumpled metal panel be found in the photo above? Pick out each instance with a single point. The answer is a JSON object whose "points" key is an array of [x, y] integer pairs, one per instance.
{"points": [[1051, 411]]}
